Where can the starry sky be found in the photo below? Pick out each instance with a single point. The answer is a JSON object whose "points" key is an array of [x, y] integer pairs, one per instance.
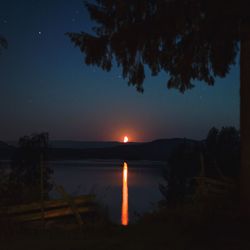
{"points": [[45, 86]]}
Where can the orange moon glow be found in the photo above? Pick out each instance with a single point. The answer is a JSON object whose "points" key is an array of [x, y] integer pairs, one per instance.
{"points": [[125, 139]]}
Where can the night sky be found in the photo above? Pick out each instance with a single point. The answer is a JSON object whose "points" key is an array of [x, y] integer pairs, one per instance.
{"points": [[45, 86]]}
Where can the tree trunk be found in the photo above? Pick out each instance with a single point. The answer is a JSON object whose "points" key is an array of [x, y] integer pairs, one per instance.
{"points": [[245, 120]]}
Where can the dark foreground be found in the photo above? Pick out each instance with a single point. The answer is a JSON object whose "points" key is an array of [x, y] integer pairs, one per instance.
{"points": [[172, 229]]}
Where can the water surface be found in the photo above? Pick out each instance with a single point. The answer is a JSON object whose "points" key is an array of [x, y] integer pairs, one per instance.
{"points": [[126, 190]]}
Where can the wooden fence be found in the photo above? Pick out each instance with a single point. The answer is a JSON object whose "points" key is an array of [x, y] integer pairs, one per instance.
{"points": [[51, 209], [213, 187]]}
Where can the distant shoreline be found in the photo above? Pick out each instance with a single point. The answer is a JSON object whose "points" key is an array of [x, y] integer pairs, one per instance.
{"points": [[158, 150]]}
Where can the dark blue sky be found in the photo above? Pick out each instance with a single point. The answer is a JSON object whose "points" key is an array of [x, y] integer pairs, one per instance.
{"points": [[45, 86]]}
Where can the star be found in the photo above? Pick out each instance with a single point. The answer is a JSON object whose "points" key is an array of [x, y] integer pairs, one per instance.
{"points": [[39, 32]]}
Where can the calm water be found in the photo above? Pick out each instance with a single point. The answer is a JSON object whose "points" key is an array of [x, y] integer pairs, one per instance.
{"points": [[126, 190]]}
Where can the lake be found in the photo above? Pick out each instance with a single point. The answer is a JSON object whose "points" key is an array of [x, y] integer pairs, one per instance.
{"points": [[125, 189]]}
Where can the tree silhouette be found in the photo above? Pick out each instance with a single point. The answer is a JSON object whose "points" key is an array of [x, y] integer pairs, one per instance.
{"points": [[189, 39], [25, 175], [183, 166], [3, 43], [222, 151]]}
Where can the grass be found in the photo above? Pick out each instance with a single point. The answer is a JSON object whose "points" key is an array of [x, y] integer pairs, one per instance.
{"points": [[178, 228]]}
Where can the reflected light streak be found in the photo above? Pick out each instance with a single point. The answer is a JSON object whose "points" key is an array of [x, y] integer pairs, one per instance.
{"points": [[124, 216]]}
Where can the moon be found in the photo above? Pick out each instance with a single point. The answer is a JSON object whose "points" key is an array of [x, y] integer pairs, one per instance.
{"points": [[125, 139]]}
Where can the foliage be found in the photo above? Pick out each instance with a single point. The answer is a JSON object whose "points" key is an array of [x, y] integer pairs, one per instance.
{"points": [[221, 151], [24, 180], [188, 39], [3, 43], [183, 164], [3, 185]]}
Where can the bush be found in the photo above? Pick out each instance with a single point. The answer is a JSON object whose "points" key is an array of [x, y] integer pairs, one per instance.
{"points": [[23, 184]]}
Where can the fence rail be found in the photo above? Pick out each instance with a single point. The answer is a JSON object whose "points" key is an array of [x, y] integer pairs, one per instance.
{"points": [[51, 209], [211, 186]]}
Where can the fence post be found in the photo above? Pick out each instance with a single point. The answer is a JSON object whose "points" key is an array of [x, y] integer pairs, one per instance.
{"points": [[42, 189]]}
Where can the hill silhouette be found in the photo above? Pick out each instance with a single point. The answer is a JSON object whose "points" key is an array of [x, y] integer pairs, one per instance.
{"points": [[83, 144], [76, 150], [155, 150]]}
